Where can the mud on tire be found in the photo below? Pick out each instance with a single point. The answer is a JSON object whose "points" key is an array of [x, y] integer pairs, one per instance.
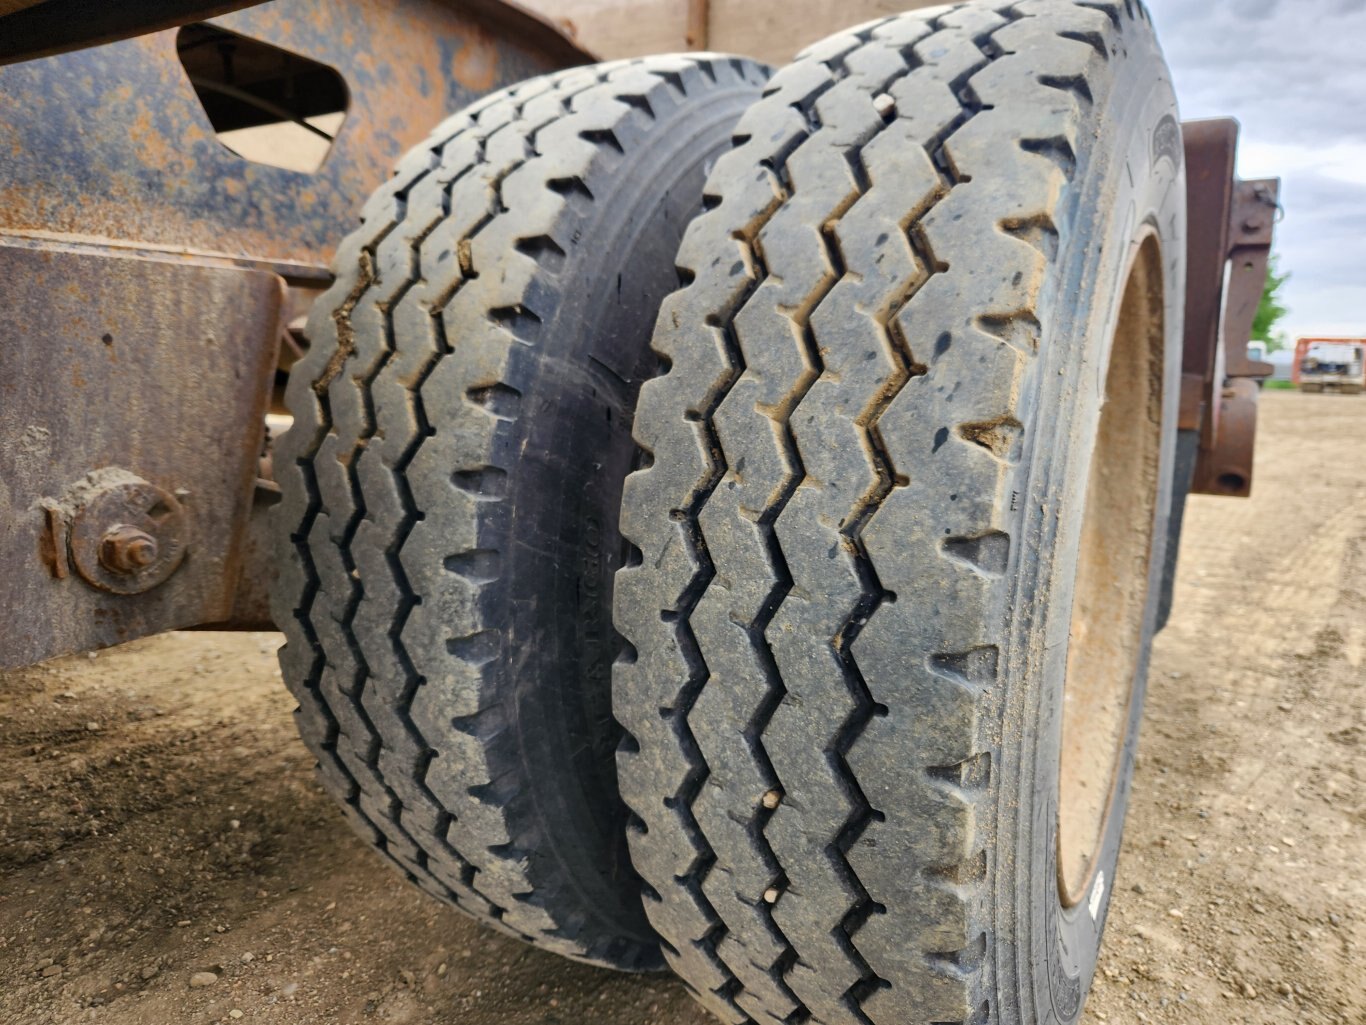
{"points": [[864, 520], [452, 481]]}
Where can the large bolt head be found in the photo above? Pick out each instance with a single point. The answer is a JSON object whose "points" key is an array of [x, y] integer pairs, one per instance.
{"points": [[126, 550]]}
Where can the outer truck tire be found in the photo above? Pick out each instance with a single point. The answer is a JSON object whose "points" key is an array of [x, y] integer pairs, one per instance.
{"points": [[452, 481], [899, 527]]}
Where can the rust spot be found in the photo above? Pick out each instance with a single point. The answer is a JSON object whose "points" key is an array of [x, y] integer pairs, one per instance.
{"points": [[346, 337], [52, 541], [476, 65]]}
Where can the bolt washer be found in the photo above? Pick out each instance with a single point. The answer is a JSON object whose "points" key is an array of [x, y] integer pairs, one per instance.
{"points": [[124, 509]]}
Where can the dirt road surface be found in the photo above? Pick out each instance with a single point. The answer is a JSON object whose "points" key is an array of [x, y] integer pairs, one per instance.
{"points": [[159, 820]]}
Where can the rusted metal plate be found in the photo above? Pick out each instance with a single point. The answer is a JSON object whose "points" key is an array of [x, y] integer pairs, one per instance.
{"points": [[1211, 152], [1230, 227], [1229, 437], [1229, 230], [132, 403], [1252, 218], [143, 267], [1226, 469], [251, 601], [113, 143], [1228, 441], [37, 28]]}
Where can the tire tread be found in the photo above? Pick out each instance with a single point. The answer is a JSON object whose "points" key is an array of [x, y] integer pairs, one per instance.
{"points": [[390, 652], [790, 520]]}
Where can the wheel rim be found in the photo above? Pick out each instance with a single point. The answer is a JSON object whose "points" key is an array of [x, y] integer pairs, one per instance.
{"points": [[1110, 596]]}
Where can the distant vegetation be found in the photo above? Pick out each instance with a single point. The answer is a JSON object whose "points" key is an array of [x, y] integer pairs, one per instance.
{"points": [[1270, 310]]}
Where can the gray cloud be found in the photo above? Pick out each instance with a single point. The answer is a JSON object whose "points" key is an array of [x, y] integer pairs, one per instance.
{"points": [[1291, 72]]}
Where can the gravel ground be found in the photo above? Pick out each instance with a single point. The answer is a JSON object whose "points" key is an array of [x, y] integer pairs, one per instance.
{"points": [[166, 855]]}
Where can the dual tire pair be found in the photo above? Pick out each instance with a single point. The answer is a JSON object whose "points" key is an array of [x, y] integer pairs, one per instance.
{"points": [[882, 525]]}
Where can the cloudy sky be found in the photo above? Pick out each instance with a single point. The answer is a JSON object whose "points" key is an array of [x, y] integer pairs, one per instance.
{"points": [[1292, 71]]}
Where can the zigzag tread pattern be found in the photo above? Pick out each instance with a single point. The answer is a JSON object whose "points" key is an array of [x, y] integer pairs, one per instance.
{"points": [[388, 581], [811, 808]]}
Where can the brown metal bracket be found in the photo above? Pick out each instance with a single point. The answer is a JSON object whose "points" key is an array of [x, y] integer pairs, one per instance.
{"points": [[1230, 228], [133, 393], [699, 24]]}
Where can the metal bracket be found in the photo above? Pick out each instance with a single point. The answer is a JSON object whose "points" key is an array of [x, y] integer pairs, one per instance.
{"points": [[126, 384], [1231, 224]]}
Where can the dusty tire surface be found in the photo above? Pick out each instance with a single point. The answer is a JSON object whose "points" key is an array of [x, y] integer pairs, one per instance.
{"points": [[452, 481], [859, 522]]}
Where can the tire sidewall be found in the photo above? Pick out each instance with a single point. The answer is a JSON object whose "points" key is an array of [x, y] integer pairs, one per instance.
{"points": [[1133, 185]]}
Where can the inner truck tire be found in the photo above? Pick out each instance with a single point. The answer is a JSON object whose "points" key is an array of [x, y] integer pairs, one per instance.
{"points": [[448, 529], [899, 529]]}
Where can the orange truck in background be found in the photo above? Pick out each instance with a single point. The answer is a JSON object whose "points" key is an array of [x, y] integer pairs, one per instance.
{"points": [[1330, 364]]}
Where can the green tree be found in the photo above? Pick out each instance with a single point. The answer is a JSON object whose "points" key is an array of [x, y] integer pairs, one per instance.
{"points": [[1270, 310]]}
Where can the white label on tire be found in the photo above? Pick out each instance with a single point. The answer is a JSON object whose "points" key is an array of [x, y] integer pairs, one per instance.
{"points": [[1097, 894]]}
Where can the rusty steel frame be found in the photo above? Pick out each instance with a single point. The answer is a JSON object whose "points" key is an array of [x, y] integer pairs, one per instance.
{"points": [[1230, 225], [698, 33], [148, 275], [41, 28], [129, 455], [112, 143]]}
